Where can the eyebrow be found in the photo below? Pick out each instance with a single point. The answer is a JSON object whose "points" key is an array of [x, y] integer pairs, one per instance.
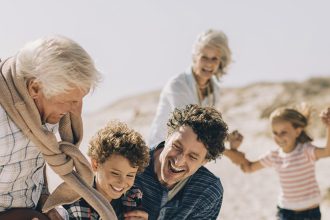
{"points": [[113, 169], [180, 144], [195, 154]]}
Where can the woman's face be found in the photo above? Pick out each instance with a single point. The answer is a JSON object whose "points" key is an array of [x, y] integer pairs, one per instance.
{"points": [[206, 62], [114, 177]]}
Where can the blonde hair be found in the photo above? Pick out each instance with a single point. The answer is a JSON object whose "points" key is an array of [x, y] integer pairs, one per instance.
{"points": [[218, 40], [298, 119], [58, 63]]}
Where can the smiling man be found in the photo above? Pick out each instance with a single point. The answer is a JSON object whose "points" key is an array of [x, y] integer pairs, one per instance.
{"points": [[176, 185]]}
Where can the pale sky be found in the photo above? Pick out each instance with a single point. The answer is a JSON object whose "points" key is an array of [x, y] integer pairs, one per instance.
{"points": [[139, 44]]}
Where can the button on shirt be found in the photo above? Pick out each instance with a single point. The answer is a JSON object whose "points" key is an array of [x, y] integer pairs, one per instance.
{"points": [[21, 166]]}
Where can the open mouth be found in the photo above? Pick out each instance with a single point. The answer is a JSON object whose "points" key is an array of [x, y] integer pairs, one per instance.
{"points": [[174, 169], [208, 71]]}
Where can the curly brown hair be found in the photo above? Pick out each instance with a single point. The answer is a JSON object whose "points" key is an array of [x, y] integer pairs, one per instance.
{"points": [[117, 138], [207, 124]]}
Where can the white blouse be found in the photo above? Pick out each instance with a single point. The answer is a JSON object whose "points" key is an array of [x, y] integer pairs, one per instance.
{"points": [[178, 92]]}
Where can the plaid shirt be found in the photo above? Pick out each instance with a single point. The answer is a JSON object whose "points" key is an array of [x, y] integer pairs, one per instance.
{"points": [[81, 210], [21, 167], [199, 199]]}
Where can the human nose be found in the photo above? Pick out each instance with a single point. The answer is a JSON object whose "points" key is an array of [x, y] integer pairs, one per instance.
{"points": [[180, 159], [120, 179]]}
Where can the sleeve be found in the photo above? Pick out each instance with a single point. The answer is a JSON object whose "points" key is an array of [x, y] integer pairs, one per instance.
{"points": [[309, 151], [158, 127], [209, 204], [75, 211], [267, 160], [175, 94]]}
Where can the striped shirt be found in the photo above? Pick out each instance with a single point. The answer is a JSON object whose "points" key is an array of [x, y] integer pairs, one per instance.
{"points": [[81, 210], [200, 198], [21, 167], [296, 170]]}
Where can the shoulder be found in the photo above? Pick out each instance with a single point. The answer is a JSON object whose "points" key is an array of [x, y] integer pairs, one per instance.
{"points": [[205, 181], [176, 81], [308, 149]]}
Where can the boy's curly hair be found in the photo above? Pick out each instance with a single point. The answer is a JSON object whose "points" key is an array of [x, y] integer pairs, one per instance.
{"points": [[117, 138], [207, 124]]}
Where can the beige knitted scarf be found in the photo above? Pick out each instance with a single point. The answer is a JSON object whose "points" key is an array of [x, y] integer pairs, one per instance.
{"points": [[63, 157]]}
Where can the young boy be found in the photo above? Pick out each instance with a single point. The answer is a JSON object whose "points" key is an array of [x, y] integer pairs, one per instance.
{"points": [[117, 154]]}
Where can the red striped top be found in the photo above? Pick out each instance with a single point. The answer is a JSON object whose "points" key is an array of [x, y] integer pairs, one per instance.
{"points": [[296, 170]]}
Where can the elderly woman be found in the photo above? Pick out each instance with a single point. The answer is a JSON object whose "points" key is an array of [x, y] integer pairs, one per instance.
{"points": [[211, 56], [198, 85]]}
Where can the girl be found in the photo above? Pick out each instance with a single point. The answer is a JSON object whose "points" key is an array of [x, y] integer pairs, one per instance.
{"points": [[294, 162]]}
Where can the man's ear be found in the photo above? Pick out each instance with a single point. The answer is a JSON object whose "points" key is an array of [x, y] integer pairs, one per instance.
{"points": [[205, 161], [95, 164], [34, 88]]}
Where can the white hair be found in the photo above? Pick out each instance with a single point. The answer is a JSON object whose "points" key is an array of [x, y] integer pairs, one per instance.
{"points": [[59, 64], [218, 40]]}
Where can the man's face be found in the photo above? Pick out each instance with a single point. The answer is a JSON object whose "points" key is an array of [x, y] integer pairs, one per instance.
{"points": [[181, 157], [114, 177], [52, 109]]}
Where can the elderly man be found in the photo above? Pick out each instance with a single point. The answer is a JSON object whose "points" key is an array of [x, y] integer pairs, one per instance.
{"points": [[176, 185], [42, 89]]}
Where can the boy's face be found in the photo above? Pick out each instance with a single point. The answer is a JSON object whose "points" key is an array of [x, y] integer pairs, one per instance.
{"points": [[114, 177], [181, 157]]}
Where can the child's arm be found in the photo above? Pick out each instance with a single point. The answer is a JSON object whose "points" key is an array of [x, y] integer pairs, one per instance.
{"points": [[251, 166], [235, 156], [324, 152]]}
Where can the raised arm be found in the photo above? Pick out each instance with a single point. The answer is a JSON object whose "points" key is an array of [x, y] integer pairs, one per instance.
{"points": [[324, 152], [235, 139]]}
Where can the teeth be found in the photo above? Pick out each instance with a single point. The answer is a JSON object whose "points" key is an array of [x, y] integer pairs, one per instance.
{"points": [[207, 70], [175, 168], [117, 189]]}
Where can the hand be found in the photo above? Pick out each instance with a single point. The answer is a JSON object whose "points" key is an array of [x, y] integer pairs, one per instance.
{"points": [[235, 139], [54, 215], [136, 215], [325, 116]]}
